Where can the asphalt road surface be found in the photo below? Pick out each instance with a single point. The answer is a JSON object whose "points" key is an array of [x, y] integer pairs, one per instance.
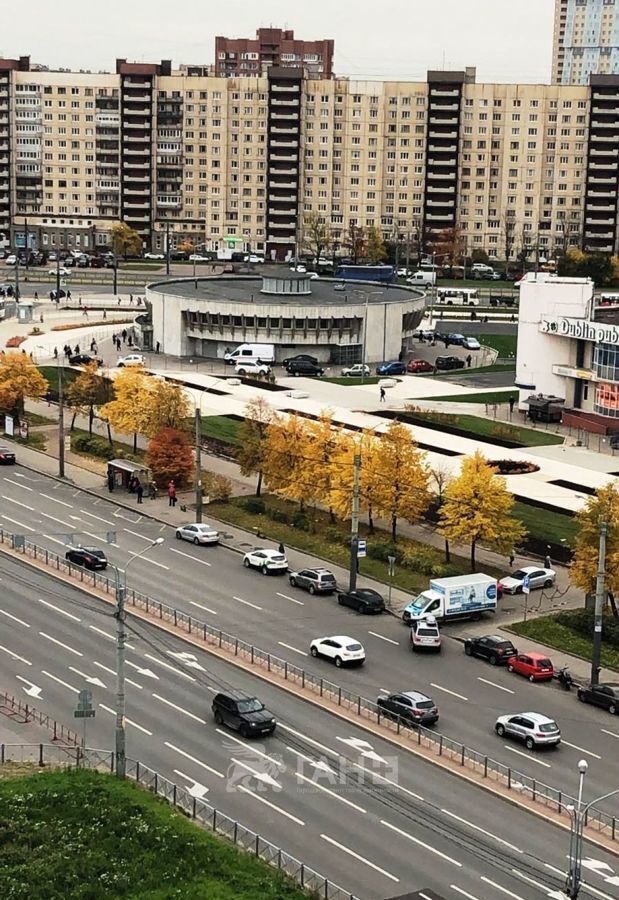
{"points": [[376, 822]]}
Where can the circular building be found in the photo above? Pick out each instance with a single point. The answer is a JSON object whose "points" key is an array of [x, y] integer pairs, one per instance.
{"points": [[295, 312]]}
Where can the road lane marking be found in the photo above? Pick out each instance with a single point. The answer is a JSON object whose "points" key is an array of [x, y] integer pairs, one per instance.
{"points": [[331, 793], [494, 684], [33, 689], [15, 522], [268, 803], [447, 691], [60, 521], [14, 655], [165, 665], [134, 683], [110, 637], [93, 516], [137, 535], [60, 644], [18, 503], [179, 709], [255, 750], [202, 562], [60, 681], [415, 840], [88, 678], [15, 619], [499, 887], [532, 881], [290, 647], [247, 603], [195, 789], [56, 500], [528, 756], [24, 487], [58, 610], [105, 668], [610, 733], [55, 540], [362, 859], [581, 749], [477, 828], [383, 638], [127, 720], [193, 759], [459, 890], [292, 599], [589, 887], [204, 608], [147, 559]]}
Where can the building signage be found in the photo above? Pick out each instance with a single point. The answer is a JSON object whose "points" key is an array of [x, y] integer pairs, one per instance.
{"points": [[573, 372], [582, 329]]}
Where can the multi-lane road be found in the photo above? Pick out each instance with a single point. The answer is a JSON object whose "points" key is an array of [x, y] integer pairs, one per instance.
{"points": [[375, 821]]}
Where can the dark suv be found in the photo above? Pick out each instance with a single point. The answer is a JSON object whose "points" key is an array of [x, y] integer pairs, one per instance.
{"points": [[303, 367], [492, 647], [448, 362], [364, 600], [89, 557], [247, 715], [604, 695], [413, 707], [316, 581]]}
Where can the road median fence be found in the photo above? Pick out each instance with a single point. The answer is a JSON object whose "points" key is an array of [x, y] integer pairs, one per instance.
{"points": [[195, 808], [434, 747]]}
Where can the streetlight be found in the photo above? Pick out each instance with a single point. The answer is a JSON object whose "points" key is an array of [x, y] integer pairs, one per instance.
{"points": [[120, 760], [578, 817], [367, 295]]}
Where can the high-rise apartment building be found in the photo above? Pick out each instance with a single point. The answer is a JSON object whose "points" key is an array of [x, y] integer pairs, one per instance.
{"points": [[586, 40], [240, 57]]}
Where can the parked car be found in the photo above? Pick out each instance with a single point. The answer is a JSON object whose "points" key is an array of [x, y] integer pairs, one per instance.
{"points": [[316, 580], [538, 578], [82, 359], [391, 368], [413, 707], [198, 533], [266, 560], [61, 270], [417, 366], [6, 290], [7, 457], [456, 339], [89, 557], [496, 649], [339, 287], [154, 256], [535, 729], [356, 371], [132, 359], [305, 357], [364, 600], [304, 367], [251, 367], [299, 268], [247, 715], [342, 650], [254, 258], [471, 343], [534, 666], [605, 695], [445, 363], [425, 635], [197, 257], [502, 301], [11, 260]]}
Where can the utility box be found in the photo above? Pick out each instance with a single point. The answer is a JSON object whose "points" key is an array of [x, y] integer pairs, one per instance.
{"points": [[25, 311]]}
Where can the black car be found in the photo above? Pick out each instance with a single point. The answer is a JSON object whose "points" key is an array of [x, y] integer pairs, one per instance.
{"points": [[247, 715], [492, 647], [7, 457], [6, 290], [303, 367], [316, 581], [82, 359], [448, 362], [364, 600], [502, 301], [413, 707], [301, 356], [604, 695], [89, 557]]}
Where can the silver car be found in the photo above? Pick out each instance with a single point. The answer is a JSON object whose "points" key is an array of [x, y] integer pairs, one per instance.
{"points": [[316, 580], [534, 729], [198, 533], [538, 578]]}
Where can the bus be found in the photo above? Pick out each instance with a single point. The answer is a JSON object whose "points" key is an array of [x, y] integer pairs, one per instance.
{"points": [[365, 273], [454, 296]]}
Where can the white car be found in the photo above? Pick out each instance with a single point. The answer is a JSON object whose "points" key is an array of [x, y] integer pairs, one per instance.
{"points": [[356, 370], [425, 635], [403, 272], [11, 260], [339, 287], [266, 560], [198, 533], [132, 359], [299, 268], [538, 578], [534, 729], [251, 367], [60, 271], [471, 343], [254, 258], [154, 256], [342, 650], [197, 257]]}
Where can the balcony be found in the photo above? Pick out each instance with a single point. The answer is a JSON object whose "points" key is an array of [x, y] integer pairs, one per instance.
{"points": [[439, 176], [275, 145], [272, 239], [137, 97], [612, 165], [447, 120], [435, 217], [444, 92], [594, 151], [140, 179], [289, 211], [171, 201], [434, 189], [286, 88], [440, 203], [136, 151], [283, 184], [284, 116], [289, 226], [611, 97], [443, 135], [448, 148], [599, 235], [592, 220], [279, 129], [439, 107], [293, 170], [602, 138], [142, 115], [292, 101], [596, 124], [143, 206], [439, 162], [135, 139]]}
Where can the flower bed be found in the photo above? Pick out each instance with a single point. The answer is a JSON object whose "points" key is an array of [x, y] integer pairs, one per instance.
{"points": [[513, 466], [88, 323], [16, 340]]}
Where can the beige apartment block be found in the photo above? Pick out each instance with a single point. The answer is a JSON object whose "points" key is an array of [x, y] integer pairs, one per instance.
{"points": [[586, 40]]}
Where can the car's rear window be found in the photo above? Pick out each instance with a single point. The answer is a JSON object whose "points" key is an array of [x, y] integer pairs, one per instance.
{"points": [[505, 645], [424, 704], [543, 664], [354, 647], [548, 727], [427, 632]]}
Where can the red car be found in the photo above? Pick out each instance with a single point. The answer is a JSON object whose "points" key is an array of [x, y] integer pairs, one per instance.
{"points": [[534, 666], [419, 365]]}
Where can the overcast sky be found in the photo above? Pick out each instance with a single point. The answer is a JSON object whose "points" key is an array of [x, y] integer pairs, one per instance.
{"points": [[507, 40]]}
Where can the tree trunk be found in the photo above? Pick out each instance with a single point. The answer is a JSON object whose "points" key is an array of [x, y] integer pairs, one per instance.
{"points": [[473, 555], [447, 552], [259, 484], [394, 525], [109, 434], [135, 442], [73, 421], [331, 514], [613, 604], [370, 520], [91, 417]]}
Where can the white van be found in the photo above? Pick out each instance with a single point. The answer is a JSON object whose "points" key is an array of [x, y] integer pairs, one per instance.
{"points": [[428, 279], [247, 352]]}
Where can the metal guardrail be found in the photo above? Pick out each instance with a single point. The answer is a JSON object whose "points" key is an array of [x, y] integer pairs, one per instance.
{"points": [[469, 759], [198, 810], [13, 707]]}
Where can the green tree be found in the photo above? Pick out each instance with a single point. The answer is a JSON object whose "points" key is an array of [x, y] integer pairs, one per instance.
{"points": [[252, 439], [316, 235], [125, 241], [603, 507], [375, 245]]}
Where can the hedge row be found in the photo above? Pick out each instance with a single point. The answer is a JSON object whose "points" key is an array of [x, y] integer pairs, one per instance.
{"points": [[93, 445]]}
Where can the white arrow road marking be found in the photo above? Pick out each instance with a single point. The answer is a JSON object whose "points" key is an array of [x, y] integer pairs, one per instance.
{"points": [[193, 759], [188, 659], [596, 865], [148, 673], [230, 737], [33, 691], [14, 655], [58, 610], [363, 748], [165, 665], [60, 681], [54, 519], [259, 776], [195, 788], [593, 890], [320, 764], [90, 679]]}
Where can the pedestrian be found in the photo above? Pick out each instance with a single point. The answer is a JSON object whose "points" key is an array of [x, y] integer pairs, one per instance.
{"points": [[92, 345], [446, 342], [105, 313], [281, 548], [131, 299], [36, 295], [130, 341], [79, 300], [69, 296], [171, 494], [131, 484], [511, 401], [85, 311], [119, 301], [124, 335], [77, 348], [469, 360], [434, 370], [118, 344], [139, 490], [157, 347], [55, 352], [382, 395], [41, 319], [547, 560], [95, 349], [512, 557], [110, 481]]}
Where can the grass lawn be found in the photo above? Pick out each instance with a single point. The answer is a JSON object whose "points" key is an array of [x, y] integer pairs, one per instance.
{"points": [[139, 265], [504, 343], [83, 834], [51, 374], [222, 428], [547, 525], [491, 397], [547, 630], [350, 382], [528, 437], [467, 373]]}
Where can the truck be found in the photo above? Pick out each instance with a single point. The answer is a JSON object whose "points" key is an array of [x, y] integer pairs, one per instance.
{"points": [[264, 353], [460, 597]]}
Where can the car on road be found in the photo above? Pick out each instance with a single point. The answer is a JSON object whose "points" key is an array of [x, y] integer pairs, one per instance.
{"points": [[413, 707], [11, 260], [198, 533], [132, 359], [445, 363], [456, 339], [391, 368], [253, 258], [62, 271], [342, 650], [502, 301], [471, 343], [534, 666], [417, 366], [6, 289], [154, 256], [534, 729], [303, 367], [538, 578], [82, 359], [356, 371], [251, 367], [298, 268], [266, 560], [244, 714], [197, 257], [605, 695], [89, 557], [339, 287], [300, 357], [425, 635], [496, 649], [7, 457], [364, 600], [316, 580]]}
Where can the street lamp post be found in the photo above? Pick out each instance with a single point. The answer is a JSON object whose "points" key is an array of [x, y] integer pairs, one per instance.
{"points": [[367, 296], [120, 758]]}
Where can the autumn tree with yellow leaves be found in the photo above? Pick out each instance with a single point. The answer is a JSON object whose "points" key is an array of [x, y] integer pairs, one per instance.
{"points": [[129, 411], [252, 439], [401, 490], [166, 406], [478, 507], [89, 391], [284, 458], [366, 445], [602, 507], [19, 380]]}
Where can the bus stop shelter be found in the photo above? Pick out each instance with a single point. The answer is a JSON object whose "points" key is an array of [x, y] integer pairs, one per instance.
{"points": [[121, 472]]}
